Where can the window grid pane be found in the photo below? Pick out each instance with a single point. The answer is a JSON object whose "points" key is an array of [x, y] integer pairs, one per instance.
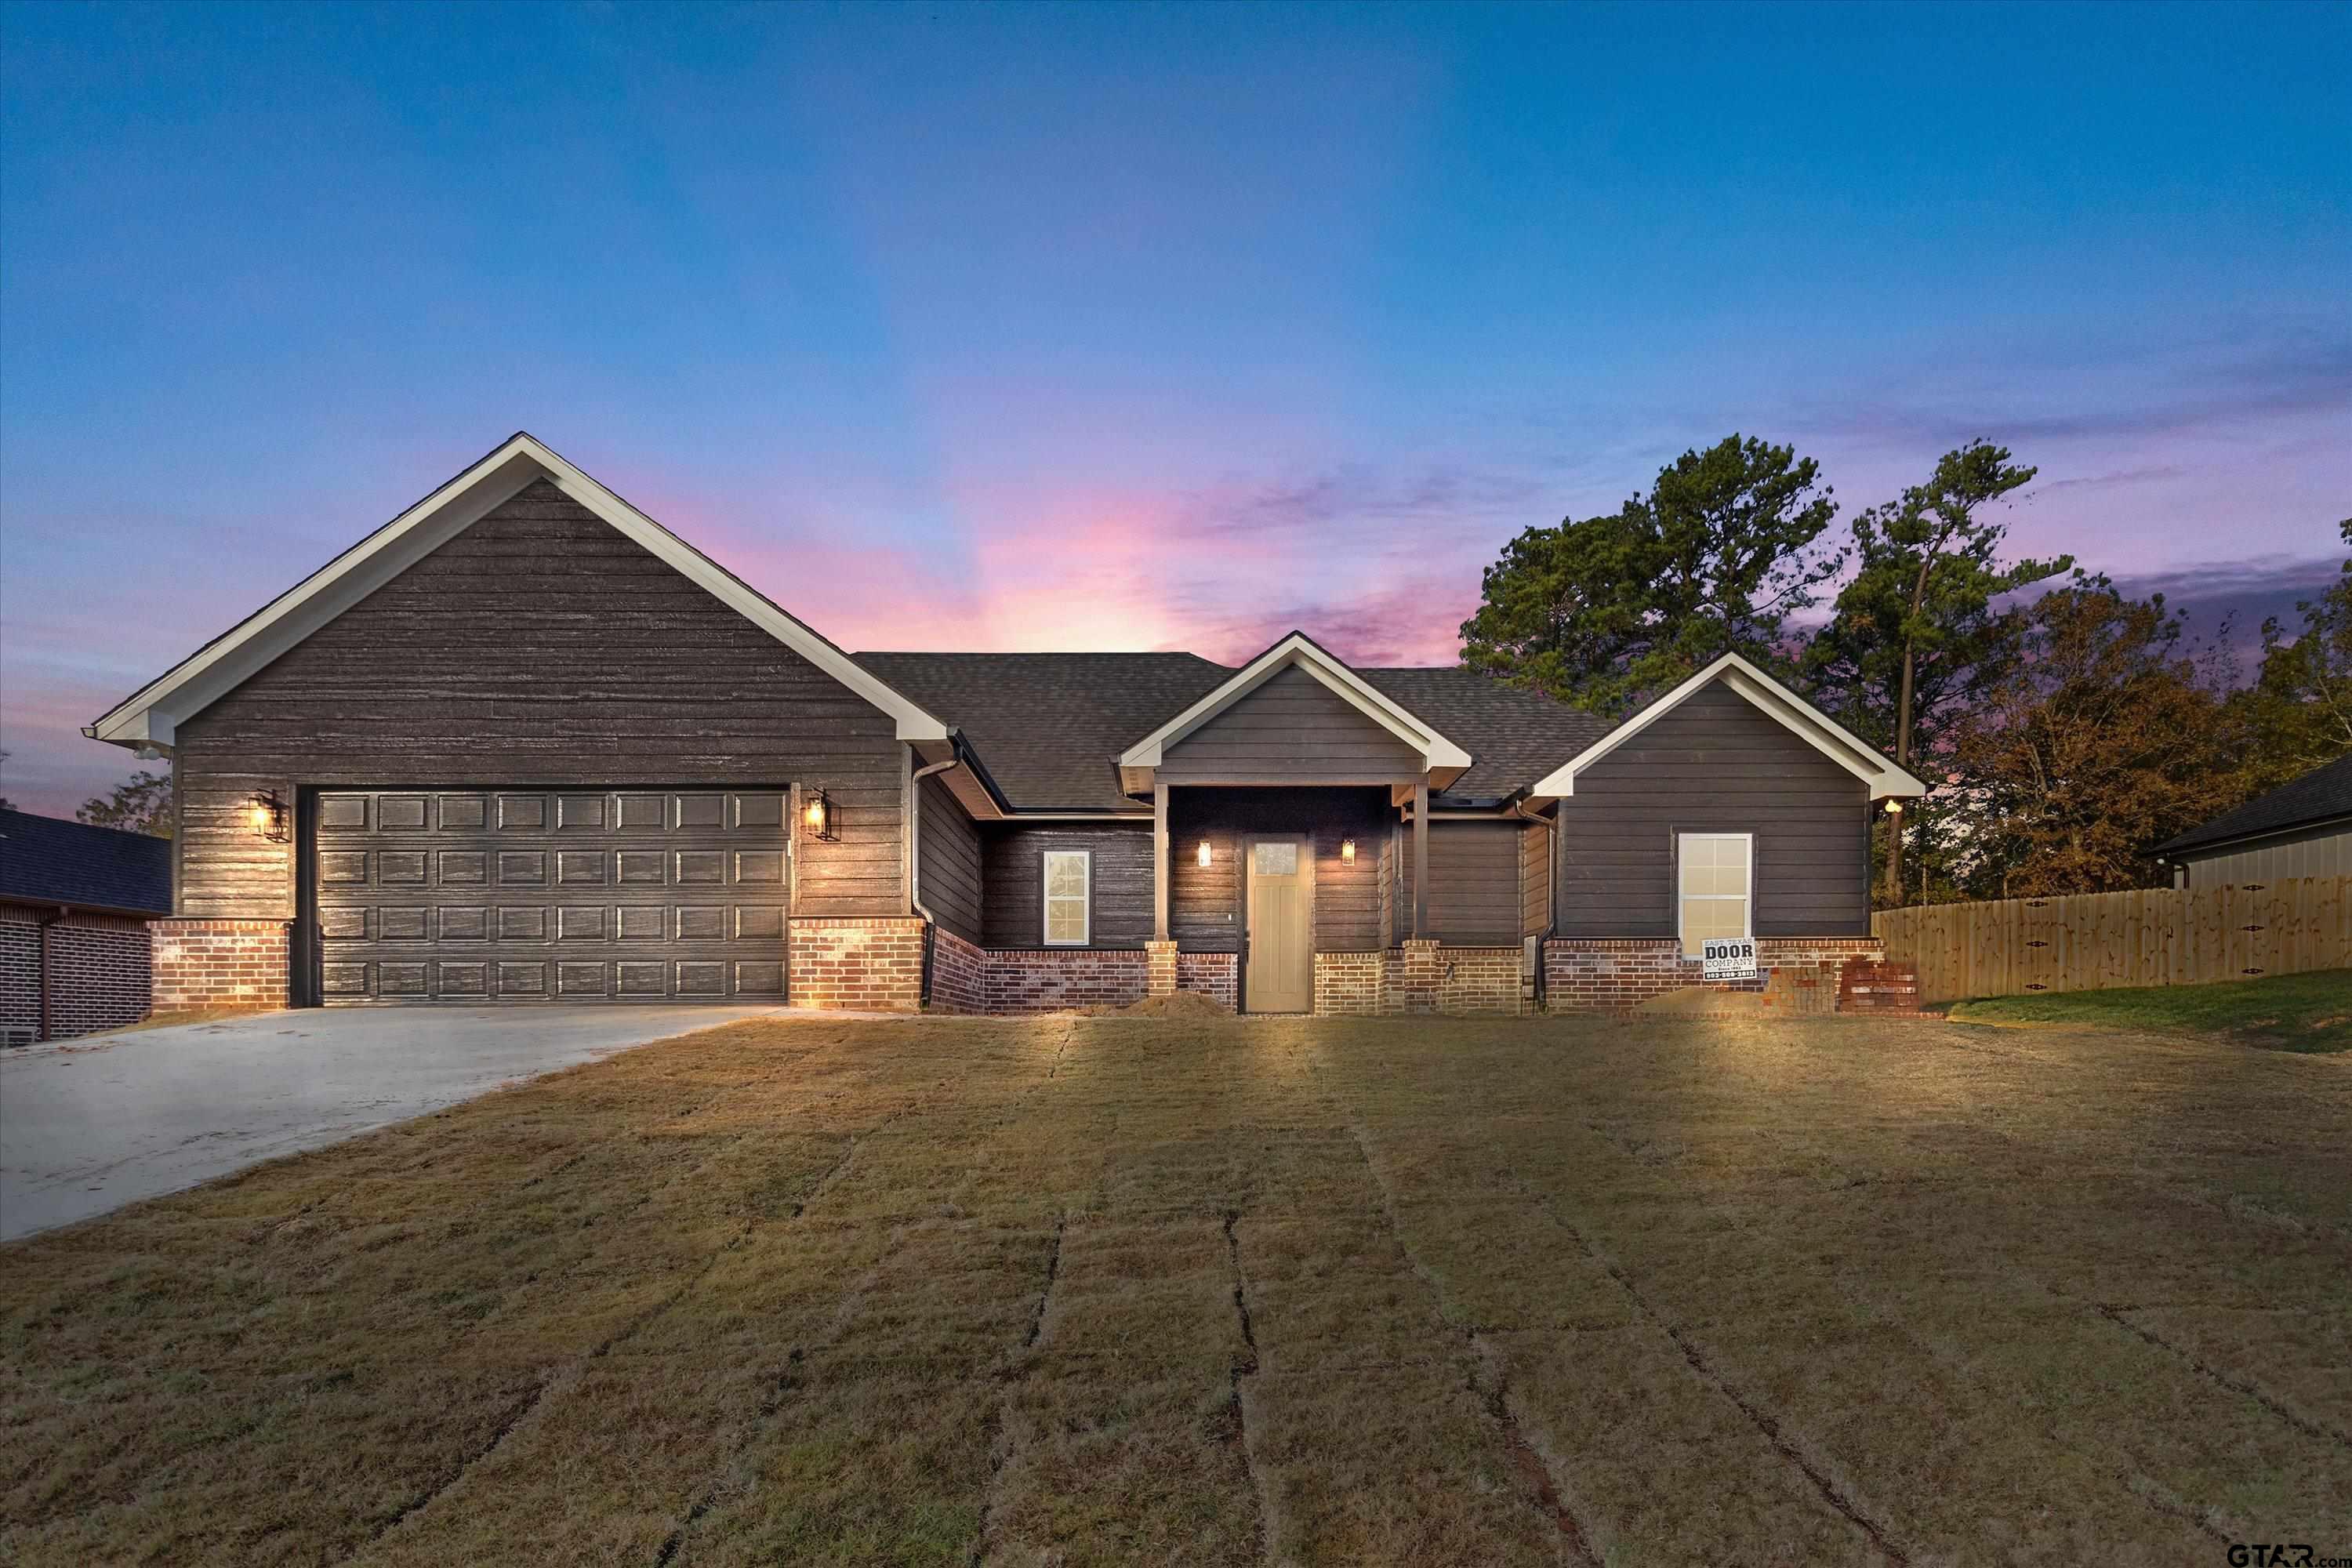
{"points": [[1713, 874], [1067, 897]]}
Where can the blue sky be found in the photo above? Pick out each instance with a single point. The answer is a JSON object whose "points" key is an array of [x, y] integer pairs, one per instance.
{"points": [[1132, 326]]}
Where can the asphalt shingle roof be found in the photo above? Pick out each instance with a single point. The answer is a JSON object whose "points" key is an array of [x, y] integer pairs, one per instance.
{"points": [[1514, 737], [1049, 727], [2319, 796], [46, 861]]}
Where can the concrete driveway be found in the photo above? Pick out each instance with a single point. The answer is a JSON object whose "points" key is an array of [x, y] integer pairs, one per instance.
{"points": [[91, 1124]]}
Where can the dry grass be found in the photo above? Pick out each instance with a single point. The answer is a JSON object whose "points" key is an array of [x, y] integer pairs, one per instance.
{"points": [[1109, 1291]]}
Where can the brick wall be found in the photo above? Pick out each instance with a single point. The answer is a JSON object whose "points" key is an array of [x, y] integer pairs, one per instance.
{"points": [[219, 963], [1614, 975], [870, 964], [1216, 975], [1350, 985], [1412, 977], [959, 974], [20, 971], [1044, 979], [1478, 980]]}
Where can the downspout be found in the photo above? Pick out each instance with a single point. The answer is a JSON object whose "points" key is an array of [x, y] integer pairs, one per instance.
{"points": [[914, 863], [1551, 888]]}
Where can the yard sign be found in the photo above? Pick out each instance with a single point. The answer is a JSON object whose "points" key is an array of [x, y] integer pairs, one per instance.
{"points": [[1729, 960]]}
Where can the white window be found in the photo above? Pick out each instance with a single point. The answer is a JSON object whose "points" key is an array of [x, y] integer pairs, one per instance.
{"points": [[1068, 873], [1716, 885]]}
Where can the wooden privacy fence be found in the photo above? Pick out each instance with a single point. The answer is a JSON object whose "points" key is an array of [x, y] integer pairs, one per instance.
{"points": [[2088, 941]]}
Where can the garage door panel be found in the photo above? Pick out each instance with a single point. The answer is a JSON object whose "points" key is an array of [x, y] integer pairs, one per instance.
{"points": [[570, 895]]}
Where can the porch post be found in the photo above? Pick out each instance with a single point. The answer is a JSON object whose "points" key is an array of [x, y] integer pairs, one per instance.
{"points": [[1160, 953], [1159, 862], [1421, 856]]}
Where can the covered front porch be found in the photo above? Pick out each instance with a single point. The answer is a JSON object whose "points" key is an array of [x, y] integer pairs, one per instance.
{"points": [[1324, 899]]}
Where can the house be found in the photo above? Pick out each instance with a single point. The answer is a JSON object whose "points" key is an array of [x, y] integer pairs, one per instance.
{"points": [[523, 743], [75, 902], [2303, 828]]}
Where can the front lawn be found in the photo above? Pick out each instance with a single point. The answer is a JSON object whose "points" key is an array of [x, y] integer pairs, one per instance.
{"points": [[2286, 1013], [1110, 1291]]}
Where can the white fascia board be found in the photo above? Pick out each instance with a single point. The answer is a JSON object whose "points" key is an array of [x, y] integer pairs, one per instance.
{"points": [[1437, 751], [1775, 703], [147, 717]]}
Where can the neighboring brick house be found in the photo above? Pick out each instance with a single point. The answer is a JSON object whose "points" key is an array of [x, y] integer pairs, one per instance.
{"points": [[522, 744], [75, 901]]}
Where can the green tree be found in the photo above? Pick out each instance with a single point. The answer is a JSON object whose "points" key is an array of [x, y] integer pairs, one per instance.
{"points": [[2110, 735], [2299, 708], [1915, 636], [1606, 612], [143, 804]]}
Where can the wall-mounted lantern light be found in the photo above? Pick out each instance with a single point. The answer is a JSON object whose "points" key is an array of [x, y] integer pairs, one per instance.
{"points": [[1202, 853], [1348, 850], [266, 815], [816, 817]]}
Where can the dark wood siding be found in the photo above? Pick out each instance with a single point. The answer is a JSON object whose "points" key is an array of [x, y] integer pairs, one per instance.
{"points": [[1534, 880], [540, 647], [1203, 902], [1013, 861], [948, 844], [1714, 765], [1473, 883], [1292, 727]]}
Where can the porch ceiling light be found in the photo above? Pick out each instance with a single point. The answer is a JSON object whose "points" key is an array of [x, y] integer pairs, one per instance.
{"points": [[266, 815], [1893, 806], [1201, 854], [816, 816]]}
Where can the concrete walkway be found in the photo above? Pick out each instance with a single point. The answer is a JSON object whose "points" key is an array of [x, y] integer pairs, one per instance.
{"points": [[91, 1124]]}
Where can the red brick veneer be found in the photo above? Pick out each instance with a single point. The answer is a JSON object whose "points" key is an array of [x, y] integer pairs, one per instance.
{"points": [[219, 963], [1350, 985], [959, 974], [1617, 975], [1478, 980], [871, 964], [1046, 979], [1216, 975]]}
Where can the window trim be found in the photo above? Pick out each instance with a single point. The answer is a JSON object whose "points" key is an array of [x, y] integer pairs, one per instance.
{"points": [[1046, 899], [1748, 932]]}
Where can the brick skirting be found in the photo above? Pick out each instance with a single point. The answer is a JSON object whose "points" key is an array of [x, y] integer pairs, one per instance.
{"points": [[1797, 974], [1047, 979], [219, 963], [959, 974], [1350, 985], [1478, 980], [871, 964], [1216, 975], [101, 973]]}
